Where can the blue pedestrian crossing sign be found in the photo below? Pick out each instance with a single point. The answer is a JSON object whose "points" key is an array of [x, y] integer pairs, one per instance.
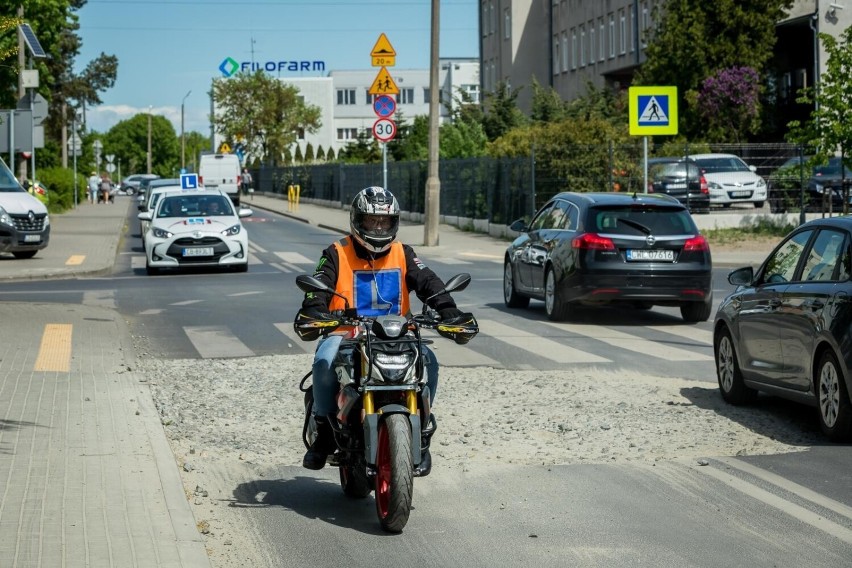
{"points": [[653, 110], [189, 181]]}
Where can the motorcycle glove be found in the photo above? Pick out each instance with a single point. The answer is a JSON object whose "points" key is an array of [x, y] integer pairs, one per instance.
{"points": [[449, 313], [311, 323]]}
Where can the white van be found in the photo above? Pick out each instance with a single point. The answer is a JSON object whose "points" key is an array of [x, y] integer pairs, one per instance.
{"points": [[221, 171], [24, 222]]}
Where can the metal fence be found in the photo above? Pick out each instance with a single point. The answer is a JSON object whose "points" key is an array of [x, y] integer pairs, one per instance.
{"points": [[501, 190]]}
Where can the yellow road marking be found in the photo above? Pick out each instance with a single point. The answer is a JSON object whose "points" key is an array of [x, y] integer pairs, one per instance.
{"points": [[75, 260], [55, 351]]}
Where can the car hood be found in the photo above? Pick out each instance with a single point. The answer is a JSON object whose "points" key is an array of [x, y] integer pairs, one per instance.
{"points": [[21, 203], [192, 224], [733, 178]]}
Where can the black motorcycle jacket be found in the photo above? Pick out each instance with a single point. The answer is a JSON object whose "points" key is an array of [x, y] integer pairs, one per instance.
{"points": [[419, 278]]}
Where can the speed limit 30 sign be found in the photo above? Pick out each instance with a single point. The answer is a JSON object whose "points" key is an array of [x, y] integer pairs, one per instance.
{"points": [[384, 130]]}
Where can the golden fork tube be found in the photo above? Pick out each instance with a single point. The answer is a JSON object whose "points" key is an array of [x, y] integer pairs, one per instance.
{"points": [[368, 403], [411, 401]]}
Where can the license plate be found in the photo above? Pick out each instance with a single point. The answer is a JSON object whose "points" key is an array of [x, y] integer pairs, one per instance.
{"points": [[198, 251], [740, 194], [640, 254], [32, 238], [677, 186]]}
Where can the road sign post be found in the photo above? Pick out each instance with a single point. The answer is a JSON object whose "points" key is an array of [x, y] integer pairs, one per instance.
{"points": [[652, 110], [384, 55]]}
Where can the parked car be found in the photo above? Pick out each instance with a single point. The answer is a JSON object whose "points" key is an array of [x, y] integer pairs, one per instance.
{"points": [[823, 184], [785, 329], [681, 178], [154, 193], [221, 171], [143, 199], [637, 250], [130, 184], [37, 190], [730, 180], [185, 231], [24, 221]]}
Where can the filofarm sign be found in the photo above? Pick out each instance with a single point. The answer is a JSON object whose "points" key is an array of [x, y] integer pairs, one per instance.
{"points": [[230, 66]]}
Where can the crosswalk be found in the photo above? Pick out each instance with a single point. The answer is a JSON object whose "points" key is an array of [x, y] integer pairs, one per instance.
{"points": [[504, 346]]}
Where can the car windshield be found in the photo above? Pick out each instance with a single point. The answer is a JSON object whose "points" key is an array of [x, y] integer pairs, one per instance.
{"points": [[643, 220], [8, 183], [723, 164], [194, 206]]}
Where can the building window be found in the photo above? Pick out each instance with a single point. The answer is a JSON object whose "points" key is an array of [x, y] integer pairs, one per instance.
{"points": [[346, 96], [484, 19], [601, 40], [555, 70], [573, 49], [611, 36], [592, 43], [565, 51], [300, 133], [405, 96], [646, 23], [493, 17], [582, 46], [347, 133], [622, 33], [507, 24], [370, 98]]}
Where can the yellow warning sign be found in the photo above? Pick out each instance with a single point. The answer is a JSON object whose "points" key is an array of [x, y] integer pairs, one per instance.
{"points": [[383, 54], [224, 148], [383, 84]]}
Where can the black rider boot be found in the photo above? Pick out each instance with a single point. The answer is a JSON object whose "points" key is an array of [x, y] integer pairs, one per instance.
{"points": [[323, 445], [425, 466]]}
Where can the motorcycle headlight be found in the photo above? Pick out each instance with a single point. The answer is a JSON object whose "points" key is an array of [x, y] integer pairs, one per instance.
{"points": [[231, 231], [161, 233], [394, 367], [5, 218]]}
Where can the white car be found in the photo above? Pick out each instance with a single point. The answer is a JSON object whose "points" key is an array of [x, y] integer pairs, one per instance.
{"points": [[149, 203], [195, 228], [731, 180]]}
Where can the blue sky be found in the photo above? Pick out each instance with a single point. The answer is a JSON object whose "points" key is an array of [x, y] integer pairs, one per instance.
{"points": [[168, 48]]}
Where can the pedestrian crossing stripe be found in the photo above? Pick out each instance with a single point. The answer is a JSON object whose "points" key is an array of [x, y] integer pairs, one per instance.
{"points": [[656, 111], [653, 110]]}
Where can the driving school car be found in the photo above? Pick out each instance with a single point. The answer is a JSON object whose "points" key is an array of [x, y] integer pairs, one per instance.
{"points": [[190, 229]]}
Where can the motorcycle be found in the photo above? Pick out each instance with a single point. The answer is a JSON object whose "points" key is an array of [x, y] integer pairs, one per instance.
{"points": [[384, 420]]}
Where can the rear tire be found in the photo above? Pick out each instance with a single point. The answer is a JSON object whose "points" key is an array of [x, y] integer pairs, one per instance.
{"points": [[758, 204], [695, 312], [22, 254], [394, 473], [835, 408], [510, 297], [555, 308], [728, 373]]}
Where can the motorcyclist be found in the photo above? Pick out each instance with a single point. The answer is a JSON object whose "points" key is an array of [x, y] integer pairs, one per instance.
{"points": [[375, 272]]}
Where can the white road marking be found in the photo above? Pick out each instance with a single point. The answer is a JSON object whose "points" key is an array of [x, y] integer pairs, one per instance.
{"points": [[238, 294], [255, 247], [137, 261], [294, 257], [186, 303], [290, 333], [216, 341], [279, 267], [630, 342], [535, 343], [153, 312], [449, 260]]}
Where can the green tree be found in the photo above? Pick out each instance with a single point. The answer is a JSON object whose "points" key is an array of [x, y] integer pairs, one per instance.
{"points": [[547, 105], [297, 157], [309, 153], [693, 40], [320, 153], [330, 155], [502, 113], [128, 141], [263, 110], [412, 140], [365, 150]]}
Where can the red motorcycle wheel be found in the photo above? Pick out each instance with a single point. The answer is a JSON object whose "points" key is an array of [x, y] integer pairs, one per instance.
{"points": [[394, 473]]}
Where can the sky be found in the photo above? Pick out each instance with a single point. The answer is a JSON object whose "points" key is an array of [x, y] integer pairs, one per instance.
{"points": [[169, 51]]}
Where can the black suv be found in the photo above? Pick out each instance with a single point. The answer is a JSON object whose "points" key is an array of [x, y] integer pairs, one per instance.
{"points": [[637, 250], [680, 178]]}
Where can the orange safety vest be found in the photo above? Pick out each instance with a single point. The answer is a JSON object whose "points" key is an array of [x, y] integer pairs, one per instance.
{"points": [[375, 290]]}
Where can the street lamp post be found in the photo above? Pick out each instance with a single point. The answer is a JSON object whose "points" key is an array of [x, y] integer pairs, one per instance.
{"points": [[182, 137], [149, 138]]}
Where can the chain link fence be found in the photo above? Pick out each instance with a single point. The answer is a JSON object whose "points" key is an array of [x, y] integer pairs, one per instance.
{"points": [[501, 190]]}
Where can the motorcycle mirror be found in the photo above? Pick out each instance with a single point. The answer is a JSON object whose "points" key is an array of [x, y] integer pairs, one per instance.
{"points": [[454, 284], [310, 284]]}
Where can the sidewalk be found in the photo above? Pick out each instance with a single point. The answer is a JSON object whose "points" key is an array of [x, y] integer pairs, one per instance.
{"points": [[86, 472]]}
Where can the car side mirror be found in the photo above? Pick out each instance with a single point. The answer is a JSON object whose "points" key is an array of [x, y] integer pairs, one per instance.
{"points": [[245, 212], [753, 169], [145, 216], [519, 226], [741, 276]]}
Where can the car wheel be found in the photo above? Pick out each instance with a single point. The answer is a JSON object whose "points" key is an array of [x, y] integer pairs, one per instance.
{"points": [[835, 409], [510, 296], [241, 267], [695, 312], [150, 270], [728, 372], [24, 253], [643, 305], [555, 308], [758, 204]]}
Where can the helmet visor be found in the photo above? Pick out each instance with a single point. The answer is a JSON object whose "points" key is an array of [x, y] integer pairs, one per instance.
{"points": [[377, 226]]}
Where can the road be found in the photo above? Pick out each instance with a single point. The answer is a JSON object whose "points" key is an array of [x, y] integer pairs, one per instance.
{"points": [[783, 510]]}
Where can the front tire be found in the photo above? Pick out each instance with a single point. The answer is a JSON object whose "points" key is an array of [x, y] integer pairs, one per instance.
{"points": [[394, 473], [510, 297], [835, 409], [728, 373], [21, 254], [150, 270], [555, 308]]}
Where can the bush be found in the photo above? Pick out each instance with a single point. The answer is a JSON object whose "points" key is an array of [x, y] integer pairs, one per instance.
{"points": [[60, 186]]}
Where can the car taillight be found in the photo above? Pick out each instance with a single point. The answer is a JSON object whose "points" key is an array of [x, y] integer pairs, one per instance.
{"points": [[704, 187], [697, 244], [200, 180], [592, 241]]}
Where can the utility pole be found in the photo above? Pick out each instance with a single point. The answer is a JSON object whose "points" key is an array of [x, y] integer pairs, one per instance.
{"points": [[433, 182], [182, 136], [149, 138]]}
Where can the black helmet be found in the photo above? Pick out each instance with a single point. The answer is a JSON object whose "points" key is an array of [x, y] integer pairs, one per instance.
{"points": [[374, 201]]}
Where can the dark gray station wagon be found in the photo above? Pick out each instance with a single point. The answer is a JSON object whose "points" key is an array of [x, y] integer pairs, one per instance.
{"points": [[637, 250]]}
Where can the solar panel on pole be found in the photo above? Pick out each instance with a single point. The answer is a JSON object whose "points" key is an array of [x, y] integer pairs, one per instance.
{"points": [[32, 42]]}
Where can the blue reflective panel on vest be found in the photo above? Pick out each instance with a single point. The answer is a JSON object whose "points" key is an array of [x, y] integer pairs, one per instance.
{"points": [[378, 293]]}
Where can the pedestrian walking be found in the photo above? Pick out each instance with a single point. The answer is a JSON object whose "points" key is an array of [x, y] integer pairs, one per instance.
{"points": [[105, 188], [93, 184], [245, 181]]}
